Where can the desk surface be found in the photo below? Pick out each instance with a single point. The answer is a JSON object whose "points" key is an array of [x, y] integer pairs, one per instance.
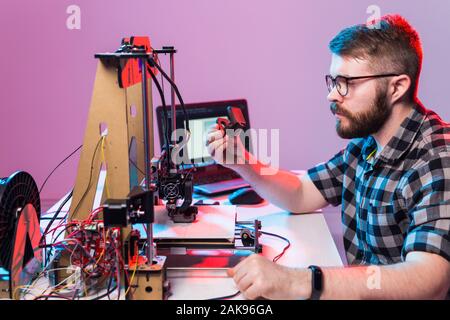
{"points": [[311, 243]]}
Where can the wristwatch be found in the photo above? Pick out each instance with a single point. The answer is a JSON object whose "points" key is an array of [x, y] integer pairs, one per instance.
{"points": [[316, 283]]}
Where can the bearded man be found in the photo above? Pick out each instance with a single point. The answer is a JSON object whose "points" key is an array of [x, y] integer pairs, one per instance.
{"points": [[392, 180]]}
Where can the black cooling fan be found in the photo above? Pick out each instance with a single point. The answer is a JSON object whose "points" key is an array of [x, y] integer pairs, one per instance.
{"points": [[16, 193]]}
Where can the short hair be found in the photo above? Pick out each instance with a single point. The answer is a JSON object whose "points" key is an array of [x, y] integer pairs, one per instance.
{"points": [[391, 42]]}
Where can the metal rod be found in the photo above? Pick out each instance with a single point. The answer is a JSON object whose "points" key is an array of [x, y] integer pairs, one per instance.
{"points": [[245, 248], [149, 251], [173, 108], [172, 94], [145, 109], [196, 268]]}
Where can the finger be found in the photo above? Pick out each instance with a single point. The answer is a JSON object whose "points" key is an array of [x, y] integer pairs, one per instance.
{"points": [[239, 275], [217, 151], [213, 147], [245, 282], [241, 269], [213, 128], [253, 292], [219, 155], [215, 144], [240, 264], [228, 157], [213, 136]]}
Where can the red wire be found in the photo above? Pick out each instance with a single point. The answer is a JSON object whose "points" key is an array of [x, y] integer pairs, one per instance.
{"points": [[275, 259]]}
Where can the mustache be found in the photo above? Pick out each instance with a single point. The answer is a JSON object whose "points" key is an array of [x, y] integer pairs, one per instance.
{"points": [[337, 109]]}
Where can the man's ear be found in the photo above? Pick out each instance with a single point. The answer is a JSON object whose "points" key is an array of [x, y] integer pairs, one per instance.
{"points": [[399, 86]]}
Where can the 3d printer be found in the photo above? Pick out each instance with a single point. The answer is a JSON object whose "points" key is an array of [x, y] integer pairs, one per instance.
{"points": [[117, 144]]}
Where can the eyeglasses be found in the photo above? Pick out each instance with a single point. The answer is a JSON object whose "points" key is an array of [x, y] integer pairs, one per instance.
{"points": [[341, 82]]}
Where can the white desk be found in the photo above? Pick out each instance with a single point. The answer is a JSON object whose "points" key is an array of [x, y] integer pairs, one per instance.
{"points": [[311, 243]]}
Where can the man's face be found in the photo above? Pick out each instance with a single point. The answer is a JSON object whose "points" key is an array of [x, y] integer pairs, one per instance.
{"points": [[365, 108]]}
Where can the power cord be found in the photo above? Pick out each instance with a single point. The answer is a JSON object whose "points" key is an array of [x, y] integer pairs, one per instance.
{"points": [[65, 159]]}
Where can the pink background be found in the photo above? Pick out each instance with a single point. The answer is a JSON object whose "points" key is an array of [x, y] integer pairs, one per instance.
{"points": [[273, 53]]}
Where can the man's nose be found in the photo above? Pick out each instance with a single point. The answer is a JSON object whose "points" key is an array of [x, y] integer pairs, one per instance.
{"points": [[334, 96]]}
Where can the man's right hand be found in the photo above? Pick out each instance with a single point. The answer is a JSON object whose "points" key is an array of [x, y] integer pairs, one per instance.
{"points": [[282, 188], [225, 150]]}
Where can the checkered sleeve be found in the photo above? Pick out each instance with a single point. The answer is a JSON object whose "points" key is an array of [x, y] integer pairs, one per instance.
{"points": [[428, 201], [328, 178]]}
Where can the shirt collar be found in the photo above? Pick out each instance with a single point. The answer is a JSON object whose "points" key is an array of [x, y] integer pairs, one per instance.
{"points": [[369, 148], [403, 138]]}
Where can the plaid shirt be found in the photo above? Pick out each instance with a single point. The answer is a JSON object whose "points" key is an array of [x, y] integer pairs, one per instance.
{"points": [[395, 202]]}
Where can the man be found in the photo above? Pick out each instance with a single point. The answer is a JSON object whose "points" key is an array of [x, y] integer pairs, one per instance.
{"points": [[392, 180]]}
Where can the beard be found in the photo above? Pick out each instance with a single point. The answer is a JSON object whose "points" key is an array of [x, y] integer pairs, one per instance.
{"points": [[364, 123]]}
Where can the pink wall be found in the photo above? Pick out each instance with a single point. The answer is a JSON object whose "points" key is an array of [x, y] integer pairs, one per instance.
{"points": [[273, 53]]}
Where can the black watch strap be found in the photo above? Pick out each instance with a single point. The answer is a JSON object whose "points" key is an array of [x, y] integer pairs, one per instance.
{"points": [[316, 283]]}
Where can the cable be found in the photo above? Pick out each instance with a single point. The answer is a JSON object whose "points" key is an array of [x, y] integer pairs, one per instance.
{"points": [[226, 297], [109, 286], [51, 296], [47, 256], [56, 214], [177, 92], [166, 126], [67, 199], [52, 220], [71, 214], [132, 162], [275, 259], [106, 247], [65, 159], [162, 78], [104, 163], [163, 101], [166, 116], [48, 218], [132, 276], [108, 292], [183, 106], [135, 165]]}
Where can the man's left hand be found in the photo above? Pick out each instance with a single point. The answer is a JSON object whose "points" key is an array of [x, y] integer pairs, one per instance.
{"points": [[257, 277]]}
